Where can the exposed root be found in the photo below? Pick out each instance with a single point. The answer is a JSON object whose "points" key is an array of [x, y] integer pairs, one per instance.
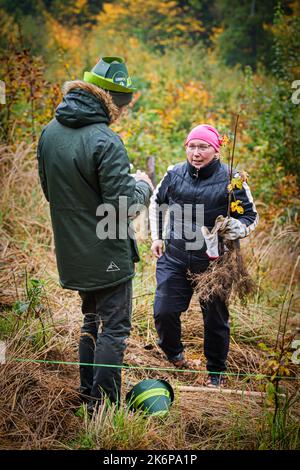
{"points": [[225, 276]]}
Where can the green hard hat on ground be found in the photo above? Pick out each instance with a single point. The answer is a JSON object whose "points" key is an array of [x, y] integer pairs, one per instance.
{"points": [[111, 74], [153, 396]]}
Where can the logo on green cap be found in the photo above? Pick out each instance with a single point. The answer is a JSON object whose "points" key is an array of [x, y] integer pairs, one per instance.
{"points": [[120, 78], [111, 74]]}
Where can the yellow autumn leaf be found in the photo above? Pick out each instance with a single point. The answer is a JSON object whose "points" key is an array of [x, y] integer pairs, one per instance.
{"points": [[233, 207], [236, 206], [284, 371], [273, 364], [237, 182], [225, 140]]}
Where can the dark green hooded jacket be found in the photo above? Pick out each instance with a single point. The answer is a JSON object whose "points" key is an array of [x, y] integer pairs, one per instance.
{"points": [[82, 165]]}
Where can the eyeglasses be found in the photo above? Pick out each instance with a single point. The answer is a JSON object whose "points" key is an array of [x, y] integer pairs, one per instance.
{"points": [[201, 148]]}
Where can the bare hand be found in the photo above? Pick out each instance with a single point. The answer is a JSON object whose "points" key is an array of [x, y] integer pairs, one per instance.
{"points": [[157, 248], [142, 176]]}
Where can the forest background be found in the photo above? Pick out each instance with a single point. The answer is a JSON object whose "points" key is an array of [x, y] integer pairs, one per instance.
{"points": [[192, 61]]}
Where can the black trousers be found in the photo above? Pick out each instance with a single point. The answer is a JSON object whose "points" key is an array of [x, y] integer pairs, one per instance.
{"points": [[173, 295], [106, 326]]}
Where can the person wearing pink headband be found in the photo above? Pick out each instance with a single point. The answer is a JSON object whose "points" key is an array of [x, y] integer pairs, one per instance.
{"points": [[198, 185]]}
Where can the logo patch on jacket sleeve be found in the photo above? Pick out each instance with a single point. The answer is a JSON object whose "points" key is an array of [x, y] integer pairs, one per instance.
{"points": [[112, 267]]}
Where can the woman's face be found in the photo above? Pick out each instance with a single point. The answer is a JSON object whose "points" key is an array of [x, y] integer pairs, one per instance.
{"points": [[200, 153]]}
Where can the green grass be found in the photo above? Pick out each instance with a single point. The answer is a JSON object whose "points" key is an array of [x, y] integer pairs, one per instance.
{"points": [[112, 428]]}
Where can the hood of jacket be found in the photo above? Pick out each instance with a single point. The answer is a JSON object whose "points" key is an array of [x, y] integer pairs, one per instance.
{"points": [[84, 104]]}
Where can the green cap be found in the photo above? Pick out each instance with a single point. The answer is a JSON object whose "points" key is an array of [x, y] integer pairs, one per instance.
{"points": [[111, 74]]}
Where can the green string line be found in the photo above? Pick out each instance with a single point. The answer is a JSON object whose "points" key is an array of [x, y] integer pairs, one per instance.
{"points": [[167, 369]]}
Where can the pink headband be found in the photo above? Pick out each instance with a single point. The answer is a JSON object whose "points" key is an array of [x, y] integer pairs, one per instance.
{"points": [[207, 133]]}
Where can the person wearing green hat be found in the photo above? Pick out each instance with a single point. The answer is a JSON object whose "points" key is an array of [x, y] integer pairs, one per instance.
{"points": [[83, 168], [111, 74]]}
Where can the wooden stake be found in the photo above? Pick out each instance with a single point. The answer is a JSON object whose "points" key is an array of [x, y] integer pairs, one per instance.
{"points": [[227, 391], [151, 169], [231, 164]]}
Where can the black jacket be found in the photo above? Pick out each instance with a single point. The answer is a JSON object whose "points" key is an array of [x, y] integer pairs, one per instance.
{"points": [[185, 185]]}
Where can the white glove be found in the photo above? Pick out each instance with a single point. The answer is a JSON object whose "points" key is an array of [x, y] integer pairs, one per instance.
{"points": [[233, 229], [211, 237], [211, 240]]}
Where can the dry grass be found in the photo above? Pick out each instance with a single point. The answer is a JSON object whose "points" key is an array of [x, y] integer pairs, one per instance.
{"points": [[37, 400]]}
